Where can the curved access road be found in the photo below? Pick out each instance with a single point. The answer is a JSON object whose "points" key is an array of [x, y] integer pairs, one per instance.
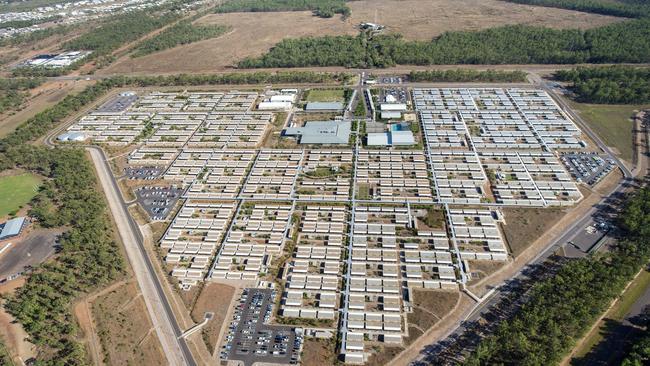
{"points": [[162, 316]]}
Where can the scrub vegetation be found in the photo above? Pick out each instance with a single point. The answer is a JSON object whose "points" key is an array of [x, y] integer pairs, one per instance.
{"points": [[519, 44], [620, 8], [609, 85], [321, 8], [183, 32]]}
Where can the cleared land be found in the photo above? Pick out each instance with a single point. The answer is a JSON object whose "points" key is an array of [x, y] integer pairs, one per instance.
{"points": [[16, 191], [326, 95], [215, 298], [613, 123], [128, 338], [318, 352], [528, 224], [255, 33]]}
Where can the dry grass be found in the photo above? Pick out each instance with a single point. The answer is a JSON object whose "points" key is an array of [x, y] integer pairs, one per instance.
{"points": [[254, 33], [126, 332], [384, 355], [215, 298], [483, 269], [318, 352], [524, 225], [436, 301]]}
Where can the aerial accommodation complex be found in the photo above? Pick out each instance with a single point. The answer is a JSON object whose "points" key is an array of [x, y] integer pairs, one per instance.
{"points": [[346, 234]]}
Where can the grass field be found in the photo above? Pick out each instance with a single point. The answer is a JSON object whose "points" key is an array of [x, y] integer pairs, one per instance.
{"points": [[612, 123], [616, 314], [16, 191], [326, 95]]}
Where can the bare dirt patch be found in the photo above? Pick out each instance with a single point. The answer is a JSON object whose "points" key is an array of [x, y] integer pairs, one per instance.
{"points": [[525, 225], [215, 298], [255, 33], [126, 333]]}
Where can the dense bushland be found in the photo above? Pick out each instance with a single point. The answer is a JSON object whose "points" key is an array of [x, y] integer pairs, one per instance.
{"points": [[609, 85], [620, 8], [514, 44], [13, 91], [183, 32]]}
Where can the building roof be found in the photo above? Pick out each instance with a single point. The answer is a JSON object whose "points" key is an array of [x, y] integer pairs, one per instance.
{"points": [[391, 114], [402, 138], [378, 139], [393, 107], [12, 227], [324, 106], [325, 132]]}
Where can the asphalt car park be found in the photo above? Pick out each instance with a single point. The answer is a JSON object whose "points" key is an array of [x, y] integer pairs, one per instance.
{"points": [[158, 201], [400, 95], [585, 167], [143, 172], [118, 104], [252, 340]]}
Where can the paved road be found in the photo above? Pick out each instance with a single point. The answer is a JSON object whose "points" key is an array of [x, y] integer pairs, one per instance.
{"points": [[28, 251], [162, 316]]}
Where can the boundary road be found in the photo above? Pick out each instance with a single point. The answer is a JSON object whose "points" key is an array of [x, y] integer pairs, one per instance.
{"points": [[160, 311]]}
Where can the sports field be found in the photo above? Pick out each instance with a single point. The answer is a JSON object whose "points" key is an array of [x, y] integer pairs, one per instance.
{"points": [[16, 191]]}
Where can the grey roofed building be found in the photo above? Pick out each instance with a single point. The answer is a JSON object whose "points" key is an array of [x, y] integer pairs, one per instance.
{"points": [[401, 138], [324, 106], [12, 228], [393, 138], [326, 132], [378, 139]]}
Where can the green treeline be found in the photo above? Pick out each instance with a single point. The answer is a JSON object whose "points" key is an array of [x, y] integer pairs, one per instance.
{"points": [[88, 258], [467, 75], [639, 352], [5, 358], [118, 31], [321, 8], [14, 91], [514, 44], [561, 309], [621, 8], [181, 33], [609, 85]]}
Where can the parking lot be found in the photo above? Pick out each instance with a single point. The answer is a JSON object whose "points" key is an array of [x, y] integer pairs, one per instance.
{"points": [[158, 201], [393, 95], [118, 104], [589, 168], [143, 172], [251, 340]]}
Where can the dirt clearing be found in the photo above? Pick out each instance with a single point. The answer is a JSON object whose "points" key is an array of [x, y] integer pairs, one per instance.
{"points": [[255, 33]]}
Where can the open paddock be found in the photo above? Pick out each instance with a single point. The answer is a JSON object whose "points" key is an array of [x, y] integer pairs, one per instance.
{"points": [[253, 34]]}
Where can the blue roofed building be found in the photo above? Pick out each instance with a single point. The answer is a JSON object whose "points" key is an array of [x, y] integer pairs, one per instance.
{"points": [[12, 228]]}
